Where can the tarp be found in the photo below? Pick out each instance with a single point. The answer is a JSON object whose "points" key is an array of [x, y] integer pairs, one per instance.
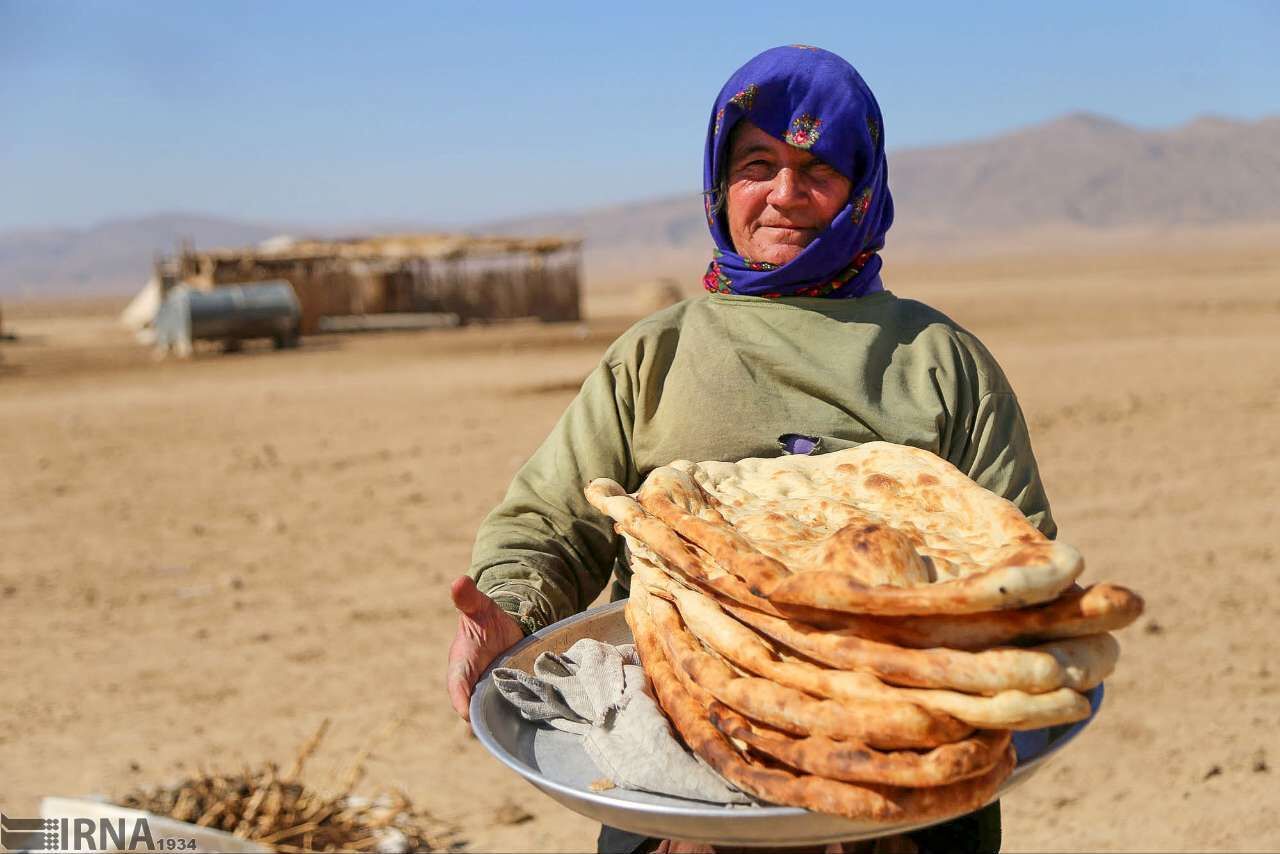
{"points": [[140, 313]]}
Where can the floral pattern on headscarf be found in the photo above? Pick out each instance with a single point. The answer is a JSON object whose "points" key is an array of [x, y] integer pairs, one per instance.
{"points": [[804, 131], [814, 100], [716, 281], [743, 101]]}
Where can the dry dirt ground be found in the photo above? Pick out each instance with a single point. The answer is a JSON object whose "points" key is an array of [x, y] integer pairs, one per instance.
{"points": [[200, 561]]}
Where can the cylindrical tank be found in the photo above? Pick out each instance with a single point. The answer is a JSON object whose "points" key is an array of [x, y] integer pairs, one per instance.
{"points": [[264, 310], [230, 313]]}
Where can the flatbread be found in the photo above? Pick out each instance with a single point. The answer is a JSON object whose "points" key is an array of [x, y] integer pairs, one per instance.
{"points": [[647, 535], [1080, 612], [884, 804], [882, 723], [1085, 661], [853, 762], [1094, 610], [1035, 670], [988, 672], [878, 529], [744, 648]]}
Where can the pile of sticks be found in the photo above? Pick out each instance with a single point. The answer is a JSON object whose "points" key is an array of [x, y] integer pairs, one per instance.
{"points": [[280, 811]]}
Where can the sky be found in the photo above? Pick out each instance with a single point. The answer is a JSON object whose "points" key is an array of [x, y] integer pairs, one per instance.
{"points": [[455, 113]]}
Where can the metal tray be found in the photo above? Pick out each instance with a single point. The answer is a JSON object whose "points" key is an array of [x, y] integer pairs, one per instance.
{"points": [[555, 762]]}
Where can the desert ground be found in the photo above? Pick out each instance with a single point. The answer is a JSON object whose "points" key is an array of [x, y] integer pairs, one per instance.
{"points": [[200, 561]]}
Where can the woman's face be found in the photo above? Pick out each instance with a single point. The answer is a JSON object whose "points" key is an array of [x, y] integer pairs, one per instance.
{"points": [[780, 197]]}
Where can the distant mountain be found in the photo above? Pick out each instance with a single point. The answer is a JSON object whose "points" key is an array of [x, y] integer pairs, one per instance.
{"points": [[1079, 174], [1089, 170], [674, 222], [1081, 171], [113, 256]]}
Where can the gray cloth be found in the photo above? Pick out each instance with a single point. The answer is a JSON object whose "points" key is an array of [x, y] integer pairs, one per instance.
{"points": [[600, 692]]}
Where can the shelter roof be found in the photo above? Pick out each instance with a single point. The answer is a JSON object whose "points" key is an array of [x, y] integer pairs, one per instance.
{"points": [[391, 246]]}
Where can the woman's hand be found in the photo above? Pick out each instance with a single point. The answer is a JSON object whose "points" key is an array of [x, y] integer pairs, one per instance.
{"points": [[484, 632]]}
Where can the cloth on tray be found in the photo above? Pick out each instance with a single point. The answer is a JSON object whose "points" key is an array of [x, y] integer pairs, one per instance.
{"points": [[600, 692]]}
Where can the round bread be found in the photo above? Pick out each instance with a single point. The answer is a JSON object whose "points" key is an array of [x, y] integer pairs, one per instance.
{"points": [[854, 762], [747, 650], [882, 723], [879, 529], [885, 804]]}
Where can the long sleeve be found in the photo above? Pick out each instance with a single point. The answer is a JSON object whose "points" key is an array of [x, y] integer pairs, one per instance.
{"points": [[544, 553], [996, 453]]}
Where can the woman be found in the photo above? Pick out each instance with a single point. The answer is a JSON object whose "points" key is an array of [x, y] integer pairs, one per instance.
{"points": [[797, 349]]}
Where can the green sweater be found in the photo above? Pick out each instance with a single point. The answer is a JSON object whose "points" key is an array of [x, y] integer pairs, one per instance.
{"points": [[721, 377]]}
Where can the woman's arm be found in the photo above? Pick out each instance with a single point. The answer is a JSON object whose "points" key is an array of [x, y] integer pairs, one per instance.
{"points": [[544, 553], [994, 449]]}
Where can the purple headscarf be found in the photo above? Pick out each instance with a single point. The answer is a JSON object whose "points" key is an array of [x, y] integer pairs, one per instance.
{"points": [[812, 99]]}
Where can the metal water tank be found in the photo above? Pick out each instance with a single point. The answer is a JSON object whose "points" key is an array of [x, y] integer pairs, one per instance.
{"points": [[228, 313]]}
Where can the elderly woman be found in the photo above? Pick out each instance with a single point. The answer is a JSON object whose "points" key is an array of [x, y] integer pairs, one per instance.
{"points": [[798, 348]]}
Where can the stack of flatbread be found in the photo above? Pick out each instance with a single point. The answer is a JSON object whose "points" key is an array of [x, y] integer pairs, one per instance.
{"points": [[857, 633]]}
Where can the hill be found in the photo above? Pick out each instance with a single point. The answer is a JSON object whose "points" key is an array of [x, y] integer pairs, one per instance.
{"points": [[1079, 177]]}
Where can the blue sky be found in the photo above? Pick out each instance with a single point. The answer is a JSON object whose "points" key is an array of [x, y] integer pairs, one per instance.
{"points": [[452, 113]]}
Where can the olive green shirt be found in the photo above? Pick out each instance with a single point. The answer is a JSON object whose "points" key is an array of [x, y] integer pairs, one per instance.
{"points": [[722, 377]]}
